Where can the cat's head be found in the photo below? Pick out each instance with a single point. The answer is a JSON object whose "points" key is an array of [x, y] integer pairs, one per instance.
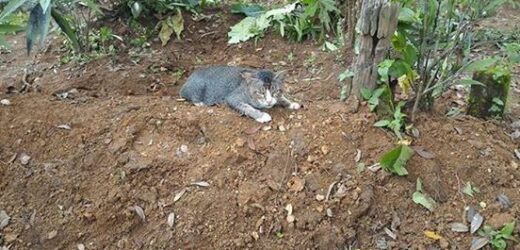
{"points": [[263, 87]]}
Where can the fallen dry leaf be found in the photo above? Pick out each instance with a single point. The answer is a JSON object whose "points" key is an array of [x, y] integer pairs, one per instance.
{"points": [[139, 211], [423, 153], [358, 156], [171, 220], [200, 184], [251, 144], [432, 235], [179, 195]]}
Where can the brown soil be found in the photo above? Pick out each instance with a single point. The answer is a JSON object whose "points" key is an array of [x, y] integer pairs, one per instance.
{"points": [[123, 150]]}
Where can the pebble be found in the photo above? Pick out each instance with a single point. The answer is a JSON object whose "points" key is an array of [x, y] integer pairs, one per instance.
{"points": [[24, 159], [5, 102]]}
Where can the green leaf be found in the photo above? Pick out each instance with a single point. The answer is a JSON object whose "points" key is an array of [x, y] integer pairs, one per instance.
{"points": [[242, 31], [407, 15], [468, 189], [395, 160], [469, 82], [345, 74], [250, 26], [480, 65], [177, 23], [498, 244], [10, 8], [507, 230], [497, 101], [423, 200], [382, 123], [166, 31], [247, 9], [66, 28], [399, 68], [366, 93]]}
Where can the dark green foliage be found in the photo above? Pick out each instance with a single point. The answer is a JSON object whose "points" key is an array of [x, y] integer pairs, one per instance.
{"points": [[489, 100]]}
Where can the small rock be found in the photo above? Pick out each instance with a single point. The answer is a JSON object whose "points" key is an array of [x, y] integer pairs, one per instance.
{"points": [[324, 150], [282, 128], [444, 244], [24, 158], [81, 247], [182, 150], [52, 235], [240, 142], [515, 124], [329, 213], [320, 197], [5, 102]]}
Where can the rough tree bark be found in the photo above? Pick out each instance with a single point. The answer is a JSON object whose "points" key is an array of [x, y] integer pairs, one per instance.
{"points": [[377, 23]]}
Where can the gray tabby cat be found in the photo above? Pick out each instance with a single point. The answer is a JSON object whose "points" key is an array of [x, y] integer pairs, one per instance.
{"points": [[246, 90]]}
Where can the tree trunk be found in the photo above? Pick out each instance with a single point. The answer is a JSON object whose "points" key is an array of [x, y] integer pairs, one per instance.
{"points": [[376, 25], [351, 10]]}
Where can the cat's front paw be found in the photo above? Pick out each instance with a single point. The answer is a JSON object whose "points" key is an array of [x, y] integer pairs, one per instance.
{"points": [[294, 106], [264, 118]]}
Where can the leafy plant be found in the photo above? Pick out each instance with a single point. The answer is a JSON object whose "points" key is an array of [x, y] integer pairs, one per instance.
{"points": [[395, 160], [397, 123], [498, 238], [297, 21], [40, 16], [431, 47]]}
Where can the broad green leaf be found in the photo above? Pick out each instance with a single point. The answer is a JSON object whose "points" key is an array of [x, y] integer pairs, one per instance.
{"points": [[480, 65], [395, 160], [399, 68], [407, 15], [166, 31], [247, 9], [250, 26], [507, 230], [11, 6], [177, 23], [423, 200], [382, 123], [366, 93], [242, 31]]}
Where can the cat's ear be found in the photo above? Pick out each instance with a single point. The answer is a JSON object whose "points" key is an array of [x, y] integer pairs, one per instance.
{"points": [[248, 76]]}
